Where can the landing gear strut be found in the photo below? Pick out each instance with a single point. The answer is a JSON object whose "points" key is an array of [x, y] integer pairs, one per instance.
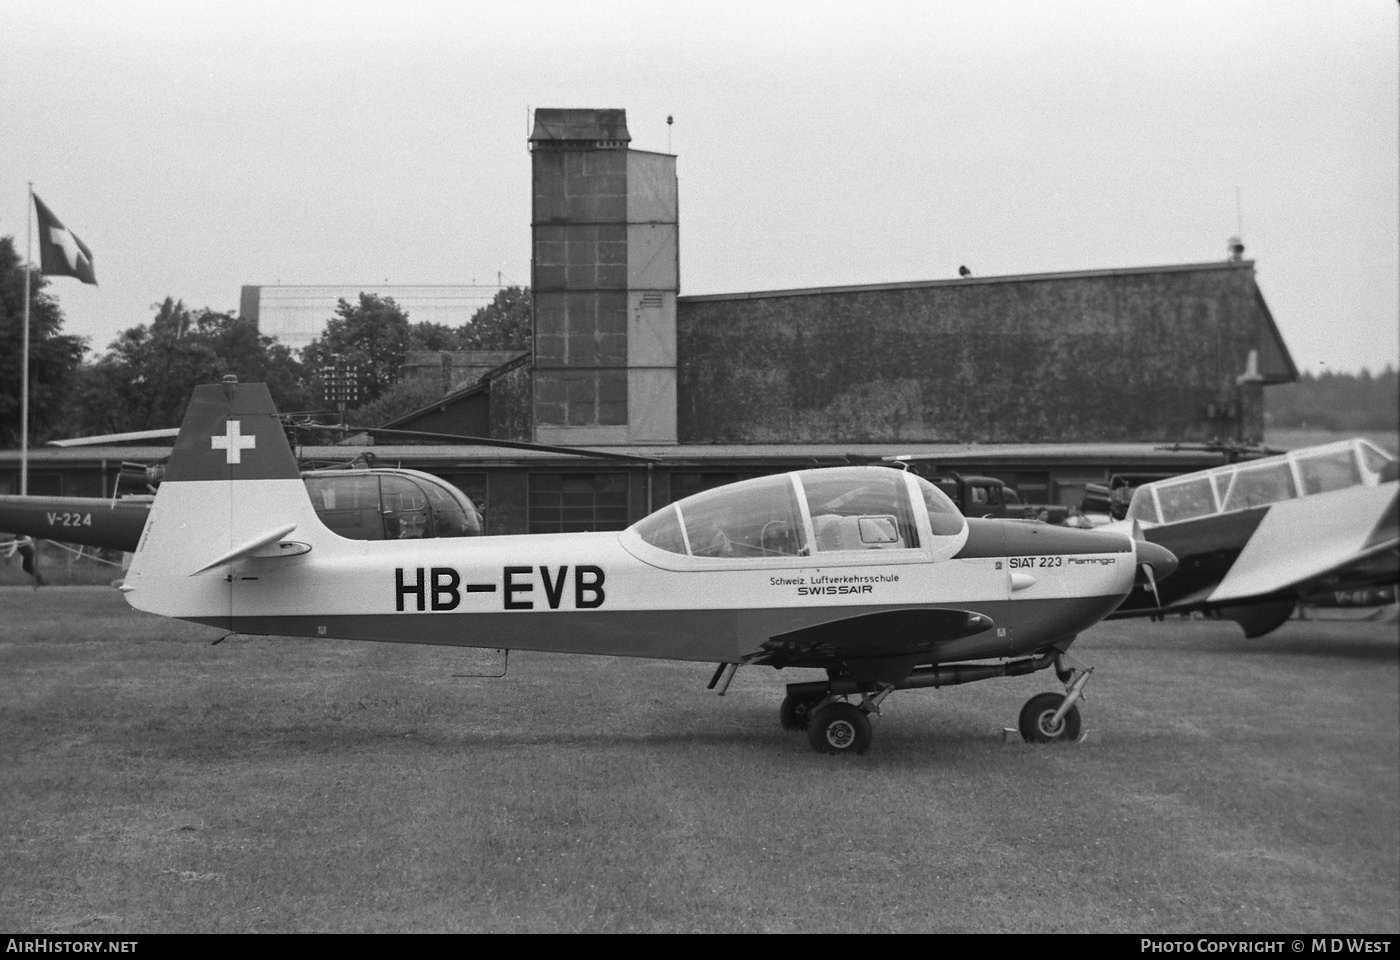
{"points": [[836, 724], [1054, 717]]}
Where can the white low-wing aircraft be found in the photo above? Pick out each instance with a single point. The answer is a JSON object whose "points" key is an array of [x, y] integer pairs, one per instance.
{"points": [[1256, 538], [868, 572]]}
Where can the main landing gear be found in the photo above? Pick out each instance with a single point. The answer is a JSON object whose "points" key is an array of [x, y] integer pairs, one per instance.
{"points": [[837, 725], [796, 711], [833, 725]]}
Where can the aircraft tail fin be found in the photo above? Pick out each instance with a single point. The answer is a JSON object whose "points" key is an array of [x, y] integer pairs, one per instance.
{"points": [[231, 432], [231, 493]]}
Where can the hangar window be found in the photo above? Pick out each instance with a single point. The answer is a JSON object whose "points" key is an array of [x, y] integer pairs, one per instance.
{"points": [[575, 502], [687, 483]]}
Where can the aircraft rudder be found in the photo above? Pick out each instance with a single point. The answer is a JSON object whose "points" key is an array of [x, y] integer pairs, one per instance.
{"points": [[231, 431], [232, 487]]}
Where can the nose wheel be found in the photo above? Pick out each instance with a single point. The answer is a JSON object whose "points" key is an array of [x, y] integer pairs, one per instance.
{"points": [[1054, 717], [1039, 722]]}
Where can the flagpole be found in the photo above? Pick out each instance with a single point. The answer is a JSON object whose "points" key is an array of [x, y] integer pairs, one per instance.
{"points": [[24, 365]]}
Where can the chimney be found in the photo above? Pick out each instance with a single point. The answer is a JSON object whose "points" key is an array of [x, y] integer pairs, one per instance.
{"points": [[1236, 249]]}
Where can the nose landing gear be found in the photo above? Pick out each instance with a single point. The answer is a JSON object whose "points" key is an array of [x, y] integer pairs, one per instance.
{"points": [[1054, 717]]}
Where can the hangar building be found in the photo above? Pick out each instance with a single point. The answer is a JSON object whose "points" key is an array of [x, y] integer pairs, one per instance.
{"points": [[1047, 381], [1175, 353]]}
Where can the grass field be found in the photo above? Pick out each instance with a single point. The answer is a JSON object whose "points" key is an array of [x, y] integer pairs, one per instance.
{"points": [[61, 565], [152, 782]]}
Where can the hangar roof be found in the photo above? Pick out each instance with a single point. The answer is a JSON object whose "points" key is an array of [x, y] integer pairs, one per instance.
{"points": [[972, 281]]}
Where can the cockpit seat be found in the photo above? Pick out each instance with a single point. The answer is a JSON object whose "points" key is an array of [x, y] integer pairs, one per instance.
{"points": [[835, 532]]}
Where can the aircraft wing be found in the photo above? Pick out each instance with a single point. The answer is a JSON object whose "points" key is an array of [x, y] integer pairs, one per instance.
{"points": [[884, 646], [1302, 540]]}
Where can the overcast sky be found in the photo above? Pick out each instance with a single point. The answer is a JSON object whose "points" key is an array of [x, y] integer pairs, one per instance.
{"points": [[198, 147]]}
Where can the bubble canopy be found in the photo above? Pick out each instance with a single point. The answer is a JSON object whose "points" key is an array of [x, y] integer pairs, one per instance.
{"points": [[1257, 483], [867, 514]]}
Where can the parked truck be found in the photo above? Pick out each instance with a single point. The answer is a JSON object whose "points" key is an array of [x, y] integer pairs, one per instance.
{"points": [[989, 497]]}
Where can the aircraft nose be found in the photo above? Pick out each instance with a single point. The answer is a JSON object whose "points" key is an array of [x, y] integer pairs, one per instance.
{"points": [[1159, 558]]}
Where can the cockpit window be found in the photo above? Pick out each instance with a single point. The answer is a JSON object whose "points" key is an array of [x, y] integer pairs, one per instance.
{"points": [[1185, 500], [450, 518], [348, 504], [406, 514], [1335, 470], [1143, 508], [1377, 462], [1257, 486], [757, 518], [943, 514], [663, 529], [379, 505], [754, 518], [871, 513], [831, 510]]}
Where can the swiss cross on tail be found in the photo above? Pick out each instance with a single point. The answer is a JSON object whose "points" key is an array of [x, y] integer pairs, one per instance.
{"points": [[232, 432], [233, 442]]}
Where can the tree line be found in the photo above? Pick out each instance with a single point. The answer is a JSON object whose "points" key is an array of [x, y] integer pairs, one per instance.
{"points": [[144, 378], [1341, 402]]}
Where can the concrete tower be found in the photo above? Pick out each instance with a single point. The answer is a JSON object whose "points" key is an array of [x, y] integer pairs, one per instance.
{"points": [[605, 274]]}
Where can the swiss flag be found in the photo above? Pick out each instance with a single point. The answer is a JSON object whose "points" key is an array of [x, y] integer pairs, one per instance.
{"points": [[61, 253]]}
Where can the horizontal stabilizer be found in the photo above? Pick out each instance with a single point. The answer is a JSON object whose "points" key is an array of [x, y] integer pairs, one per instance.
{"points": [[253, 546]]}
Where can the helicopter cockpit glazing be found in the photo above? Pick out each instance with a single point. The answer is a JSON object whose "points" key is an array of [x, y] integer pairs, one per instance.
{"points": [[396, 504]]}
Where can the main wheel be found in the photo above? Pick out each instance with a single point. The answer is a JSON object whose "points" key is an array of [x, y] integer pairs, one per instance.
{"points": [[1037, 716], [796, 711], [839, 728]]}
